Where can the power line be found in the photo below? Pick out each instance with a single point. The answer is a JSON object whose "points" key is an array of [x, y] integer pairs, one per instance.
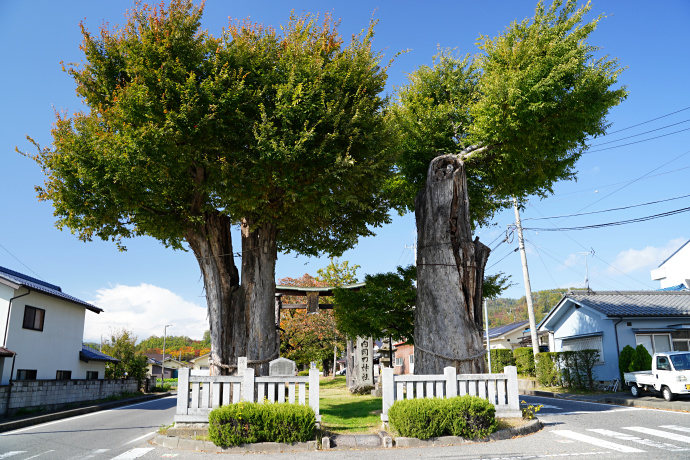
{"points": [[501, 260], [637, 142], [608, 210], [17, 259], [641, 134], [611, 224], [648, 121]]}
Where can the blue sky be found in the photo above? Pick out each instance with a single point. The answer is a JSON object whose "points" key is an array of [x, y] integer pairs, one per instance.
{"points": [[149, 286]]}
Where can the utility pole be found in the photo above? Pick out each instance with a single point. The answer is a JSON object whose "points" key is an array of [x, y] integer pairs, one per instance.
{"points": [[528, 286], [486, 328], [165, 333]]}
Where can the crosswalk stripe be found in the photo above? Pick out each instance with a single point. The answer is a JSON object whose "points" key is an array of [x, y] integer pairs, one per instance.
{"points": [[38, 455], [659, 433], [134, 453], [596, 441], [676, 427], [12, 454], [646, 442]]}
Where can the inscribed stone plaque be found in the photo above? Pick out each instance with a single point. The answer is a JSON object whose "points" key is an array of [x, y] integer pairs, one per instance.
{"points": [[282, 366], [241, 365], [364, 360]]}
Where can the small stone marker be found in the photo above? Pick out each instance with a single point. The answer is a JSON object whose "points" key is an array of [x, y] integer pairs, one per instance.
{"points": [[282, 366], [241, 365]]}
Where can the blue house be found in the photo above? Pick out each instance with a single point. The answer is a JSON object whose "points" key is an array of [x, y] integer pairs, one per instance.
{"points": [[609, 320]]}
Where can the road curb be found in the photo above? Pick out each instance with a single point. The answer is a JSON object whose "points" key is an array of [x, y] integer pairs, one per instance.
{"points": [[30, 421], [531, 427], [172, 442]]}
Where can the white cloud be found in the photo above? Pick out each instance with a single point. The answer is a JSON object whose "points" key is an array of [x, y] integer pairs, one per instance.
{"points": [[648, 258], [144, 310]]}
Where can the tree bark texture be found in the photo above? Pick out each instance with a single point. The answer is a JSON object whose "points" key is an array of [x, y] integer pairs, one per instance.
{"points": [[211, 243], [450, 274], [259, 255]]}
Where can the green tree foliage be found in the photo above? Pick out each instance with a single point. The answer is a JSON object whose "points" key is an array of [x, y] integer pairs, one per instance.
{"points": [[383, 308], [175, 344], [503, 311], [280, 131], [131, 365], [522, 109], [625, 360], [642, 360]]}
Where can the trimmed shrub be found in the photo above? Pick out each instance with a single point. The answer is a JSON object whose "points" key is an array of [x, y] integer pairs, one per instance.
{"points": [[470, 417], [625, 360], [245, 423], [500, 358], [418, 418], [642, 361], [303, 373], [577, 368], [467, 416], [524, 360], [548, 374]]}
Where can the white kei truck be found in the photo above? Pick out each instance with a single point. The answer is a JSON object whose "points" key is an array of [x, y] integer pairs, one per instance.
{"points": [[670, 376]]}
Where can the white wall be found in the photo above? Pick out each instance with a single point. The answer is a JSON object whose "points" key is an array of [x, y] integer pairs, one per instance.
{"points": [[676, 270], [55, 348], [6, 293]]}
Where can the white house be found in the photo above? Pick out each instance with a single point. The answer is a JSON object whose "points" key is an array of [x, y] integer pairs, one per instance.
{"points": [[674, 272], [42, 331], [201, 364]]}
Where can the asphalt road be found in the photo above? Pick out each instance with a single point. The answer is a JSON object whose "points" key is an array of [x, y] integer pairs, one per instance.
{"points": [[120, 433], [573, 429]]}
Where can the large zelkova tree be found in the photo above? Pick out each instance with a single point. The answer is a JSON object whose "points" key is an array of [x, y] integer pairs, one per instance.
{"points": [[509, 122], [185, 135]]}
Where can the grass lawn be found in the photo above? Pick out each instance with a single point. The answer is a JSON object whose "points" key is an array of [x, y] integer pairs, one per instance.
{"points": [[344, 413]]}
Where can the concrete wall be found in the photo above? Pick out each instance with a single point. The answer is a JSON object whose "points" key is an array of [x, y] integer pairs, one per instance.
{"points": [[53, 394], [54, 348]]}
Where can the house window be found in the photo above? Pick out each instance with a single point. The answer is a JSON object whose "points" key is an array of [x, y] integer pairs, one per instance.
{"points": [[91, 375], [63, 375], [411, 360], [654, 343], [398, 362], [585, 343], [26, 374], [33, 318], [681, 345]]}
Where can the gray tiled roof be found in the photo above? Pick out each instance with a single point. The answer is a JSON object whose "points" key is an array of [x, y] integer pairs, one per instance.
{"points": [[500, 330], [90, 354], [41, 286], [634, 303]]}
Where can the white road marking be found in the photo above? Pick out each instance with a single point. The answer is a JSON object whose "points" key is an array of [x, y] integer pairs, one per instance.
{"points": [[12, 454], [141, 437], [579, 412], [596, 441], [676, 427], [646, 442], [95, 452], [38, 455], [134, 453], [515, 457], [659, 433]]}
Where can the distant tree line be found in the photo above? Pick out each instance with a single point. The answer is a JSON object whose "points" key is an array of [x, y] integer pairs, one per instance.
{"points": [[503, 311]]}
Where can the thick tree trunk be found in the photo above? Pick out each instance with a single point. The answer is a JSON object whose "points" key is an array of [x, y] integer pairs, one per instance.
{"points": [[259, 255], [211, 243], [450, 273]]}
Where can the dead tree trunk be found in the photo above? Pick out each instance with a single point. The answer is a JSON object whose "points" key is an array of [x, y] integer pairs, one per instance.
{"points": [[211, 243], [450, 273], [259, 255]]}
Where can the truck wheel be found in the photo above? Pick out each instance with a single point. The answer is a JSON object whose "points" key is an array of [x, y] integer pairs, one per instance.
{"points": [[635, 391], [668, 396]]}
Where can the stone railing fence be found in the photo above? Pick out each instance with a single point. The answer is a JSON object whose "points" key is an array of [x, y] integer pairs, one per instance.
{"points": [[197, 395], [500, 389]]}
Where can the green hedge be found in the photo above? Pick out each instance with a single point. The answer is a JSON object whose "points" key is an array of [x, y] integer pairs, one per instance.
{"points": [[634, 360], [524, 361], [467, 416], [548, 373], [245, 423], [500, 358]]}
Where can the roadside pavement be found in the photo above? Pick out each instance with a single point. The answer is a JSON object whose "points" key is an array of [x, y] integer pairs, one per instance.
{"points": [[16, 423], [621, 398]]}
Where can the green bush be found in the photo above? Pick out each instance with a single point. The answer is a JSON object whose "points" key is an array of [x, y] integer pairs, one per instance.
{"points": [[577, 368], [500, 358], [304, 373], [467, 416], [642, 361], [245, 423], [548, 373], [470, 417], [524, 360], [625, 360]]}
